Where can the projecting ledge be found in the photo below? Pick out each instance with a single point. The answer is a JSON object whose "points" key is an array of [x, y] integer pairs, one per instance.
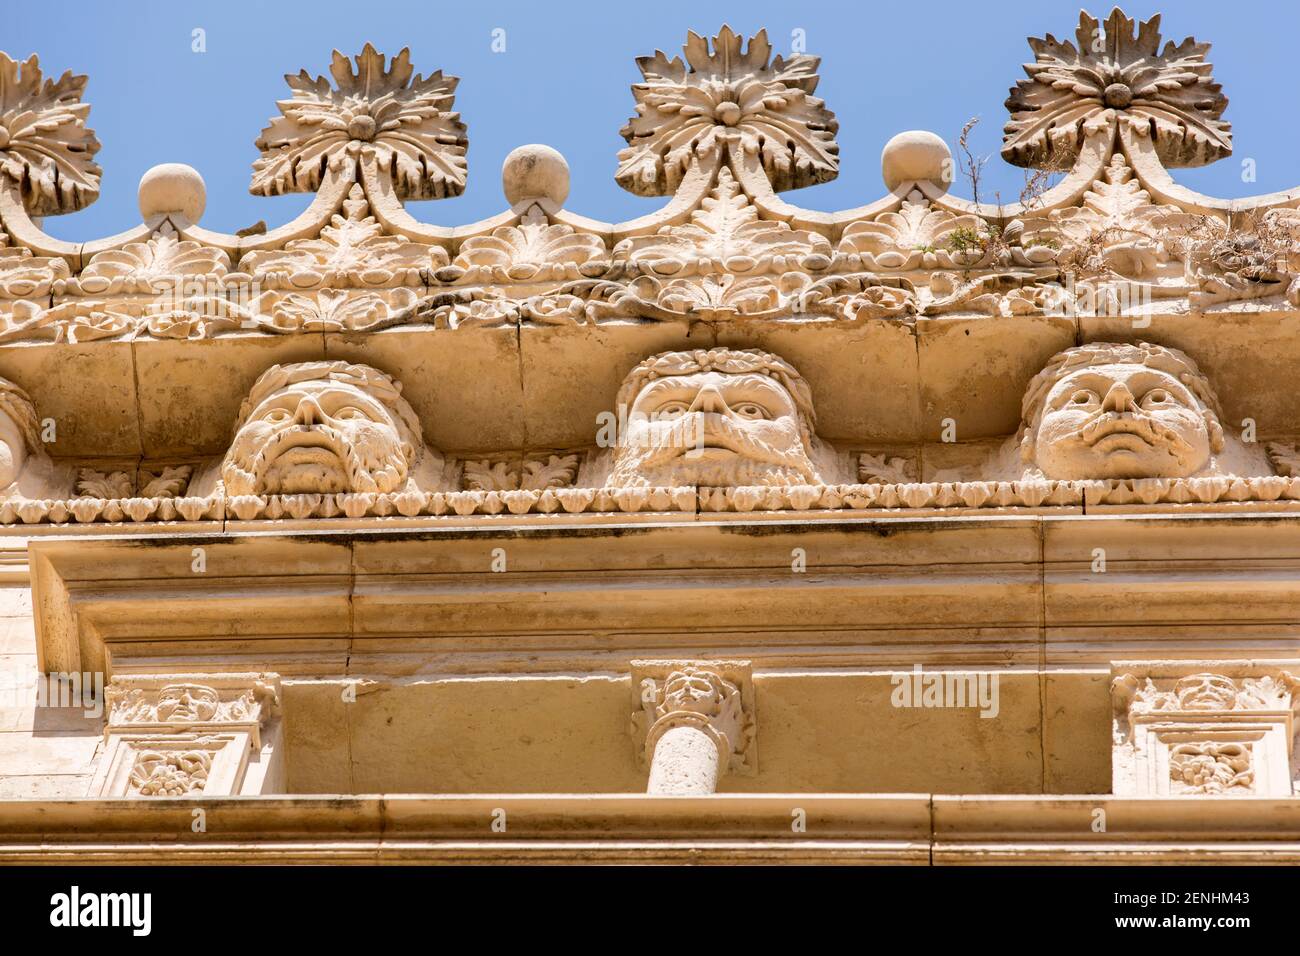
{"points": [[724, 828]]}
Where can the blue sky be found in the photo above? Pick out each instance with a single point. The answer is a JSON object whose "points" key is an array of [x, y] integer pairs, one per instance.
{"points": [[564, 76]]}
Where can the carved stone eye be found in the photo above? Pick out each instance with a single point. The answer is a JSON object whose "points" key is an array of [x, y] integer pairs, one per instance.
{"points": [[750, 410], [277, 416], [1084, 396], [1157, 396], [671, 409], [349, 412]]}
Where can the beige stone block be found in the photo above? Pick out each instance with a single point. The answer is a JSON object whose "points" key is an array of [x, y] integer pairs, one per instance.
{"points": [[865, 379], [880, 748], [534, 735], [570, 375], [17, 636], [48, 753], [44, 786], [15, 602], [974, 370], [450, 377], [317, 741], [1076, 731], [88, 390]]}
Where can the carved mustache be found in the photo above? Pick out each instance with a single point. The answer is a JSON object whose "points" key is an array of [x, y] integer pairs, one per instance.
{"points": [[362, 473], [1127, 423], [704, 429]]}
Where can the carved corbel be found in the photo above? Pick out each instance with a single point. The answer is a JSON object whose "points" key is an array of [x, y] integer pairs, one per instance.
{"points": [[191, 735], [693, 721], [1203, 728]]}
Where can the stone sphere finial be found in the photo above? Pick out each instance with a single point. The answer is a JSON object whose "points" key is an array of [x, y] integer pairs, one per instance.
{"points": [[173, 188], [916, 154], [535, 172]]}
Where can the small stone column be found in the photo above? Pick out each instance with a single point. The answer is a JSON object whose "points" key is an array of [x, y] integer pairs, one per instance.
{"points": [[694, 721], [1203, 728], [190, 735]]}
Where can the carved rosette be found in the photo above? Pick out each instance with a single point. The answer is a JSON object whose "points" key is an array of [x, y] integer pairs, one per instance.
{"points": [[727, 94], [1203, 728], [377, 110], [715, 698], [1116, 71]]}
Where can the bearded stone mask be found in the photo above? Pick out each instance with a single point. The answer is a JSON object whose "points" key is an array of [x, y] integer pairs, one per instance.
{"points": [[712, 426], [1122, 419], [321, 435]]}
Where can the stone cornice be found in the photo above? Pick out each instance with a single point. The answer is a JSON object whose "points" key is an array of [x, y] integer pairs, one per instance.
{"points": [[918, 829], [964, 591]]}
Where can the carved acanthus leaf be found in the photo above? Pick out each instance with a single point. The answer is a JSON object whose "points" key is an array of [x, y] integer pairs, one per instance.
{"points": [[916, 236], [724, 235], [45, 145], [156, 265], [171, 482], [23, 274], [727, 93], [351, 251], [882, 470], [531, 251], [404, 122], [1117, 229], [558, 471], [1285, 458], [98, 484]]}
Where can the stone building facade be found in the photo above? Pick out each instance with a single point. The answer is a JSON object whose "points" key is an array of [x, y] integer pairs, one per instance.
{"points": [[927, 531]]}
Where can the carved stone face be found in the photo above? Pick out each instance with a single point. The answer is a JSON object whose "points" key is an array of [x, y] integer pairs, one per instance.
{"points": [[713, 428], [1121, 421], [1205, 692], [13, 451], [691, 690], [187, 702], [322, 437]]}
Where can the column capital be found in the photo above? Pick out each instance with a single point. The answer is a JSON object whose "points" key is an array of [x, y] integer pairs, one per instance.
{"points": [[716, 697]]}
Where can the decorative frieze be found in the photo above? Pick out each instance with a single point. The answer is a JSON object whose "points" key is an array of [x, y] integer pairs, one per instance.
{"points": [[1198, 728]]}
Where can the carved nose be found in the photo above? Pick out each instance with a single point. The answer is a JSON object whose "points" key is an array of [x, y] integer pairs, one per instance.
{"points": [[709, 399], [1118, 399], [308, 413]]}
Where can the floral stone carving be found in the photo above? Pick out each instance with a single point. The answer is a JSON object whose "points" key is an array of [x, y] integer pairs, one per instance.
{"points": [[45, 145], [376, 110], [325, 427], [1121, 71], [727, 93]]}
